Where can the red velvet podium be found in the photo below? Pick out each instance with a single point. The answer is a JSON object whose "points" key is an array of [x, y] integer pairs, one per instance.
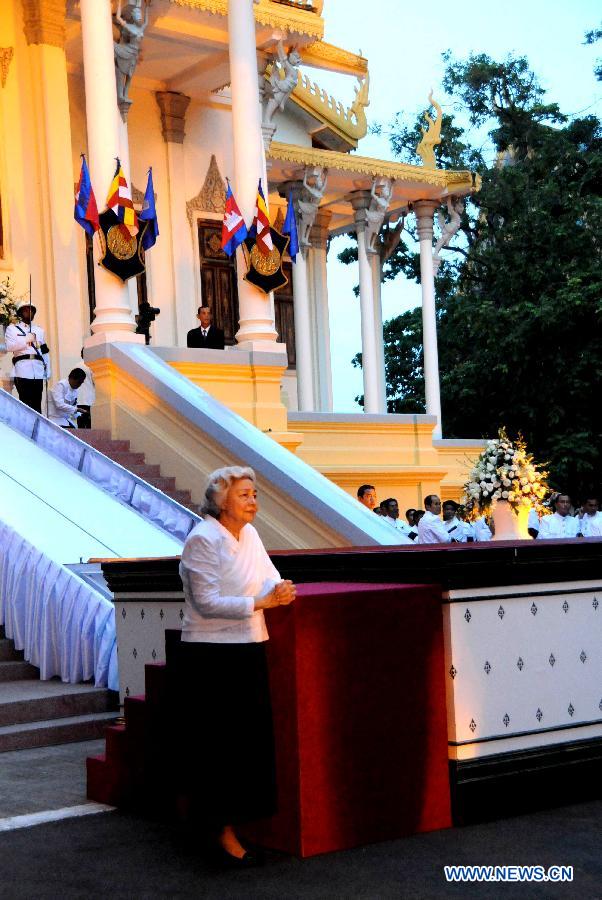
{"points": [[357, 680], [357, 683]]}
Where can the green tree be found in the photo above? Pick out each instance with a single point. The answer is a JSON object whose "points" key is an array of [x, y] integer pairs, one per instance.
{"points": [[520, 301]]}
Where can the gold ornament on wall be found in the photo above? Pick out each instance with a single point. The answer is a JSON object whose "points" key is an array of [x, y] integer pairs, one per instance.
{"points": [[212, 196]]}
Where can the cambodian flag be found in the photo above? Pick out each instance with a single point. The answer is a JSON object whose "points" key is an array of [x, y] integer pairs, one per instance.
{"points": [[290, 228], [149, 215], [260, 229], [234, 230], [86, 211]]}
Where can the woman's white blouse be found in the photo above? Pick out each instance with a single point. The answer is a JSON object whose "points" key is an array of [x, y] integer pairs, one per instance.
{"points": [[222, 577]]}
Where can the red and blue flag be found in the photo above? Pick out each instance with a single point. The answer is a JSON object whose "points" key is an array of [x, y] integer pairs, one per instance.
{"points": [[86, 211], [234, 230]]}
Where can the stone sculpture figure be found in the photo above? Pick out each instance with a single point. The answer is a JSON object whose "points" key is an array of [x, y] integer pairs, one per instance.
{"points": [[132, 25], [314, 185], [448, 227], [281, 82], [276, 86], [380, 197]]}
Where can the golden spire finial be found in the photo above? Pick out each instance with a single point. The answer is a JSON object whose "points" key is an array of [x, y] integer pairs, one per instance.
{"points": [[431, 136]]}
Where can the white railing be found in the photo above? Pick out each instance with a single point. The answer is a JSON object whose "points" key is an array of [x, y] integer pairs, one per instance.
{"points": [[149, 502]]}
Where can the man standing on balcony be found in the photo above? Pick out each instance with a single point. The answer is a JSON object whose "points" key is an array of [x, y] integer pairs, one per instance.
{"points": [[31, 360], [207, 336]]}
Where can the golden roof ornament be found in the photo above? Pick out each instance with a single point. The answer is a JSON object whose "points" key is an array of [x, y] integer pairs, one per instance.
{"points": [[431, 136]]}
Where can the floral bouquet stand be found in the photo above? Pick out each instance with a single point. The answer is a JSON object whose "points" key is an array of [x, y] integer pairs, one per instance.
{"points": [[505, 483]]}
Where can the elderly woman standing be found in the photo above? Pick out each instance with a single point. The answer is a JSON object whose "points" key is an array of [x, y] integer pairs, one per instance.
{"points": [[222, 681]]}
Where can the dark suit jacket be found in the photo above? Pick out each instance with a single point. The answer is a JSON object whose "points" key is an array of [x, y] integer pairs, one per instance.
{"points": [[213, 341]]}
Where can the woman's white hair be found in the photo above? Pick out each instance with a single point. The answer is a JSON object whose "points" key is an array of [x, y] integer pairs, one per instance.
{"points": [[218, 485]]}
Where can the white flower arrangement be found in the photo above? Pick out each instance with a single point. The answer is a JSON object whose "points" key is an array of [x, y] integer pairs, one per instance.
{"points": [[505, 471], [8, 303]]}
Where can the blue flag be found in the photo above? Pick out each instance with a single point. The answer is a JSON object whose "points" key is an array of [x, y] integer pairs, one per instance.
{"points": [[149, 214], [290, 228]]}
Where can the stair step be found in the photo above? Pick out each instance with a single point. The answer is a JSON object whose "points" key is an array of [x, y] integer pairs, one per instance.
{"points": [[110, 446], [17, 670], [145, 470], [89, 435], [30, 701], [161, 482], [183, 497], [8, 652], [126, 458], [49, 732]]}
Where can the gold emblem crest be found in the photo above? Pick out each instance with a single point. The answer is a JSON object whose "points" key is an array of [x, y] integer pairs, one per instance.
{"points": [[266, 265], [122, 246]]}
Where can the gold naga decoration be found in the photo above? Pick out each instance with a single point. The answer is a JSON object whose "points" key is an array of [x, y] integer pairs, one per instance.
{"points": [[352, 121], [289, 16], [431, 136]]}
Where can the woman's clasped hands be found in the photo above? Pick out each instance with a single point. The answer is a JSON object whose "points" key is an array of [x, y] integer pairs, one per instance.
{"points": [[281, 595]]}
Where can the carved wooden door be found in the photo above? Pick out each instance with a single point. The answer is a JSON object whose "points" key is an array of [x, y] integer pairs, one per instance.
{"points": [[218, 278]]}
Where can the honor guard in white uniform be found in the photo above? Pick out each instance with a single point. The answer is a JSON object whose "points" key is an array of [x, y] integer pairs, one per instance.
{"points": [[458, 530], [31, 360]]}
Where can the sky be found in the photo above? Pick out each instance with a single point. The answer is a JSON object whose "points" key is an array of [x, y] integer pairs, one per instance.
{"points": [[403, 43]]}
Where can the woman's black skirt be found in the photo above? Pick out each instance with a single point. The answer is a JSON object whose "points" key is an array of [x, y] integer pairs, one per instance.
{"points": [[225, 759]]}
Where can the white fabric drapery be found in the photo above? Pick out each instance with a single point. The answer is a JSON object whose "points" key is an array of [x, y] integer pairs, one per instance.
{"points": [[63, 626]]}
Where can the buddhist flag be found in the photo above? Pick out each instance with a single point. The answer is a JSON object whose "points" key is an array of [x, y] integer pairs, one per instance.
{"points": [[86, 211], [234, 230], [149, 215], [260, 229], [290, 228], [120, 201]]}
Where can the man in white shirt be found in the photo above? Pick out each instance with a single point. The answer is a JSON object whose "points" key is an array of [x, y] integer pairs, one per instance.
{"points": [[62, 399], [560, 524], [31, 360], [391, 509], [458, 530], [431, 529], [589, 521]]}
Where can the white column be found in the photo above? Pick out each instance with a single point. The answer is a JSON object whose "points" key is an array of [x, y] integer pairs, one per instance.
{"points": [[56, 284], [360, 201], [255, 308], [113, 320], [319, 278], [305, 388], [381, 381], [424, 210], [173, 107]]}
